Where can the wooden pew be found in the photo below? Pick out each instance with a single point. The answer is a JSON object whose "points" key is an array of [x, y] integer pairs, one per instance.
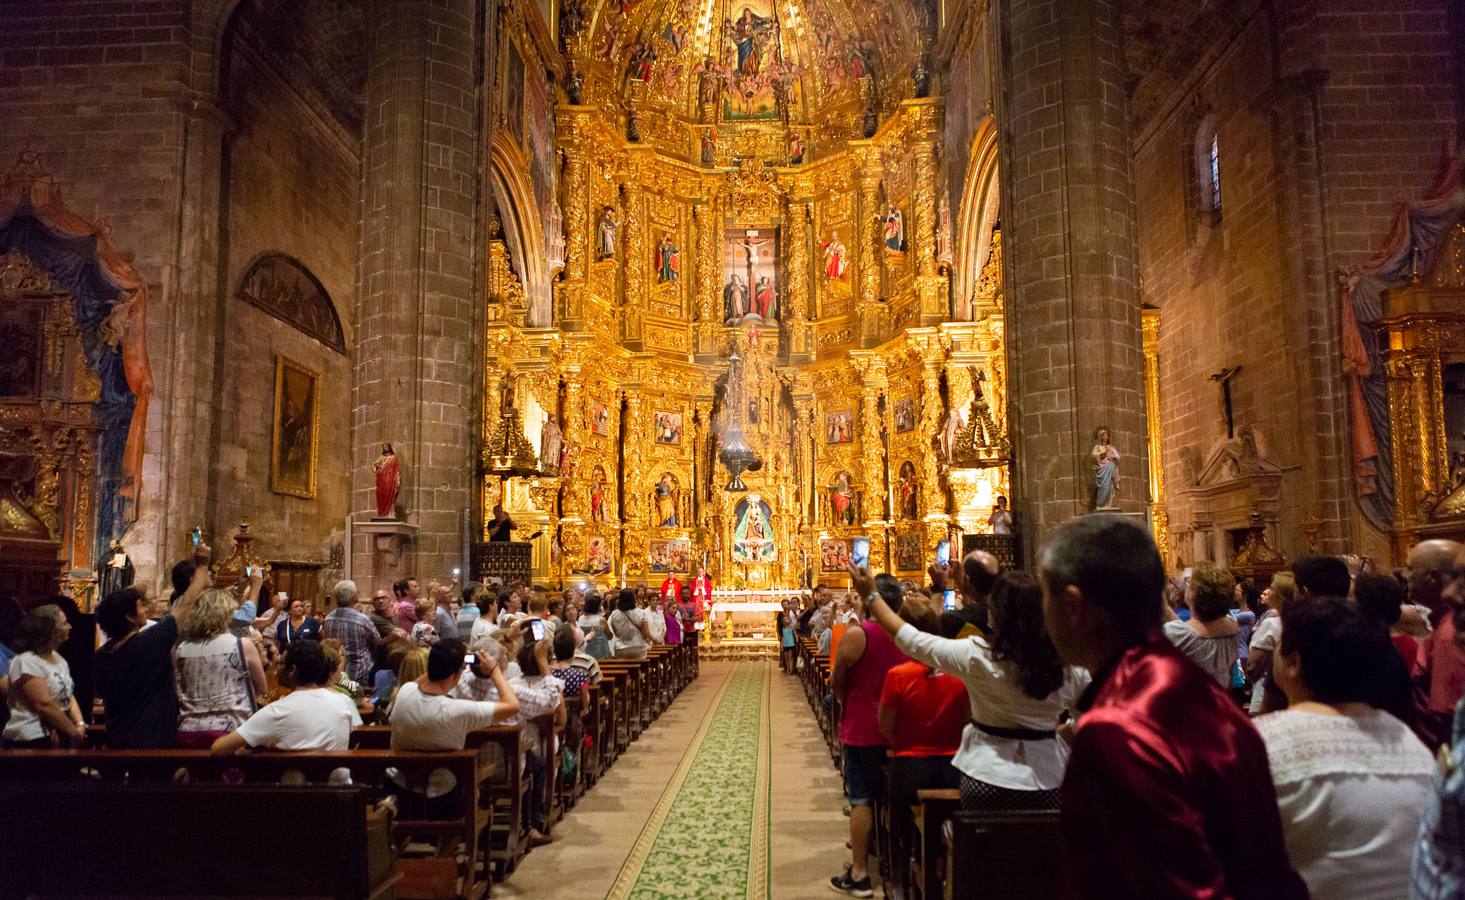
{"points": [[507, 790], [1002, 856], [198, 829], [470, 768], [928, 862]]}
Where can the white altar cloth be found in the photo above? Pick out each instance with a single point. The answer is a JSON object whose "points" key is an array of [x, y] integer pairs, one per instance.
{"points": [[725, 606]]}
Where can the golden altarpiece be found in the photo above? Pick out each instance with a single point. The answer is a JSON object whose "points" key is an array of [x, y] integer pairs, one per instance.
{"points": [[736, 184], [1425, 365]]}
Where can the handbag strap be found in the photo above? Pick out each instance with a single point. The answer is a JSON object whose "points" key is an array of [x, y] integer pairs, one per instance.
{"points": [[248, 679]]}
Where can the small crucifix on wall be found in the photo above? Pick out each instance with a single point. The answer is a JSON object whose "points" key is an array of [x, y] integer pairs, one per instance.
{"points": [[1223, 378]]}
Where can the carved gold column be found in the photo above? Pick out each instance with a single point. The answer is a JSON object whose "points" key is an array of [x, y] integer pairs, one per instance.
{"points": [[796, 275], [868, 240], [930, 423], [873, 382], [574, 200], [635, 266], [1159, 516], [636, 513], [709, 273], [930, 284]]}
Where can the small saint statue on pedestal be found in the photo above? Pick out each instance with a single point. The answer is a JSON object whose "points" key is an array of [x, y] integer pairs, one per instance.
{"points": [[1106, 470], [388, 482], [551, 443]]}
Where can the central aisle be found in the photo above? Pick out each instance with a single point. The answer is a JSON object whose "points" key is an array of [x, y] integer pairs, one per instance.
{"points": [[730, 794]]}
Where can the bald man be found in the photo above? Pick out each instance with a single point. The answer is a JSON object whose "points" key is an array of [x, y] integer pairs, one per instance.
{"points": [[973, 582], [1441, 659]]}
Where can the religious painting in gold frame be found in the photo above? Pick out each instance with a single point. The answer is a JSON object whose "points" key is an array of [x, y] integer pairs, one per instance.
{"points": [[834, 555], [670, 557], [907, 552], [295, 431]]}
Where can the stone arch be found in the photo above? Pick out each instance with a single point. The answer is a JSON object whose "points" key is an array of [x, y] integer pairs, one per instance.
{"points": [[523, 232], [980, 210]]}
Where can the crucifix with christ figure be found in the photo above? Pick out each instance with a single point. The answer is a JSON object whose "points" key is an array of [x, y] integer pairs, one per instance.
{"points": [[1223, 378]]}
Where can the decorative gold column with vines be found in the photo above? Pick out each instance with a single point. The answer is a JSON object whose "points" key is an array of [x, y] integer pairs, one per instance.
{"points": [[709, 311], [796, 275], [868, 158], [1159, 516], [634, 265]]}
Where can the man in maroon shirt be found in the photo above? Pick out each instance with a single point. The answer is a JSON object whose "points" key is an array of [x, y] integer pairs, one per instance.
{"points": [[1167, 792]]}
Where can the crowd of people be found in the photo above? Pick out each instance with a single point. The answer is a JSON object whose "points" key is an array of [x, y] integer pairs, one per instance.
{"points": [[231, 669], [1198, 735]]}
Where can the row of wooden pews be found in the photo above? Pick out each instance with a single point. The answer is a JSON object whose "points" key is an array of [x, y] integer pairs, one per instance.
{"points": [[261, 823], [950, 853]]}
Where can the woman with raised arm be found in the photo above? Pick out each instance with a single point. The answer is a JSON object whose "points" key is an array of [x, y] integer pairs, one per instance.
{"points": [[1011, 756]]}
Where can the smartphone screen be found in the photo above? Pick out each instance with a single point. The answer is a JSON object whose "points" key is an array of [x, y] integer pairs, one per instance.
{"points": [[860, 552], [943, 552], [948, 602], [536, 628], [469, 659]]}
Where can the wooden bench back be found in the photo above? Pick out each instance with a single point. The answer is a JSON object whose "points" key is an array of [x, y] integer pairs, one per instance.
{"points": [[191, 840]]}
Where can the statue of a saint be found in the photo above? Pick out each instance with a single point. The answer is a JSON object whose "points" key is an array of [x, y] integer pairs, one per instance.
{"points": [[948, 434], [666, 496], [551, 443], [597, 496], [388, 482], [605, 233], [842, 500], [1106, 470]]}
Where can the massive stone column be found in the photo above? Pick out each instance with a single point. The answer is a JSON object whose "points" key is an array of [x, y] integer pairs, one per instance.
{"points": [[1068, 217], [414, 385]]}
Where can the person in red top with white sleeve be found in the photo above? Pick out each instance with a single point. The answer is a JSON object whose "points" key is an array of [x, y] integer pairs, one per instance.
{"points": [[922, 714]]}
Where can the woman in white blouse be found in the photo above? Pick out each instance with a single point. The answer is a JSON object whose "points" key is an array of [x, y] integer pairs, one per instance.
{"points": [[1352, 780], [1010, 755]]}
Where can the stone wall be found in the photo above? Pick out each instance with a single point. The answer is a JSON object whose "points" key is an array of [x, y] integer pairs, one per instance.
{"points": [[98, 91], [293, 188], [1325, 121]]}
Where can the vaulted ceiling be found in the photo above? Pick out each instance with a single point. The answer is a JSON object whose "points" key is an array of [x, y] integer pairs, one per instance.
{"points": [[1167, 40], [318, 46], [761, 55]]}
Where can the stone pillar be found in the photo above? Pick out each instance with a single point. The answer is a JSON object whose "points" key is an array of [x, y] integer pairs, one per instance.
{"points": [[421, 146], [1068, 217]]}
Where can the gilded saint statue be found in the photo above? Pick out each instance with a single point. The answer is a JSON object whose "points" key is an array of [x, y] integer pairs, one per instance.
{"points": [[597, 495], [388, 482], [551, 443], [605, 233], [1106, 470], [666, 496]]}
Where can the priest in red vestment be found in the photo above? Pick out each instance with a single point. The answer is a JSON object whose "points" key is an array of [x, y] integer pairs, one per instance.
{"points": [[701, 593], [1168, 792], [671, 589]]}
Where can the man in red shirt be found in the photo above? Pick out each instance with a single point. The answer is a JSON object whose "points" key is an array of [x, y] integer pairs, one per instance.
{"points": [[1168, 792]]}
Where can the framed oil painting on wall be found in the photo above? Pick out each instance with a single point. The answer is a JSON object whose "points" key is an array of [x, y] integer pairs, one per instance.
{"points": [[296, 429]]}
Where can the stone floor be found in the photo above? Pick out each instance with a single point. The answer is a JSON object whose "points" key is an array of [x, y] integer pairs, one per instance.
{"points": [[805, 830]]}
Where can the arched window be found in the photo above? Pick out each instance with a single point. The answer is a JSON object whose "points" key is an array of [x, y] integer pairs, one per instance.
{"points": [[1208, 171]]}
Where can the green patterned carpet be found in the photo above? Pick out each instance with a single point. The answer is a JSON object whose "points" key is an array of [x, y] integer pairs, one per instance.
{"points": [[708, 837]]}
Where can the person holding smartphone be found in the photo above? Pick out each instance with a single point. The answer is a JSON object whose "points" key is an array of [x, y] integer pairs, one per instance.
{"points": [[426, 716]]}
